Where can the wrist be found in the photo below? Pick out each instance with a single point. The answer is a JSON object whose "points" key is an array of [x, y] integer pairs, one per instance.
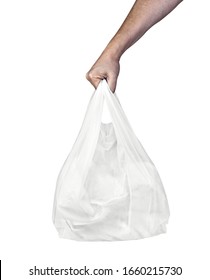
{"points": [[113, 51]]}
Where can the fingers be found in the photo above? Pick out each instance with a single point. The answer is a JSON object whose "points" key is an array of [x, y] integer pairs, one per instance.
{"points": [[112, 80], [104, 68], [94, 80]]}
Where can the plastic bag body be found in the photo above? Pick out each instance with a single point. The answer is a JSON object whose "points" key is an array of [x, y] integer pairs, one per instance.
{"points": [[108, 188]]}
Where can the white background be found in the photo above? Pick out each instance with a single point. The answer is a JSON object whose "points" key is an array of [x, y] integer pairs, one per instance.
{"points": [[46, 49]]}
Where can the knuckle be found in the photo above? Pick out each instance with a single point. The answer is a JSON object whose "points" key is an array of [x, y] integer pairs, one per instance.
{"points": [[89, 75]]}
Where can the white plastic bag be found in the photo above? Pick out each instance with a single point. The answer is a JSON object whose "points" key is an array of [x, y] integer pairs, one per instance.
{"points": [[108, 188]]}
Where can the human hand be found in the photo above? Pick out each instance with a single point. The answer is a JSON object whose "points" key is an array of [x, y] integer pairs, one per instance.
{"points": [[104, 68]]}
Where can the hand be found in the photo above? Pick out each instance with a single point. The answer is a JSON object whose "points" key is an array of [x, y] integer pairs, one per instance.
{"points": [[104, 68]]}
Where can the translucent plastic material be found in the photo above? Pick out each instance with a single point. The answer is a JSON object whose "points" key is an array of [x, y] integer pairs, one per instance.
{"points": [[108, 188]]}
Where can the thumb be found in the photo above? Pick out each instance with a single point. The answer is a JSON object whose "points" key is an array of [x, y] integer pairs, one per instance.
{"points": [[112, 82]]}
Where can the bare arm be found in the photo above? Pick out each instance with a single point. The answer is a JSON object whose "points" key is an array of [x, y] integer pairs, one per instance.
{"points": [[143, 15]]}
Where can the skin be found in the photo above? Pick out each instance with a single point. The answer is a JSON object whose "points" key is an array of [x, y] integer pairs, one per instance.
{"points": [[142, 16]]}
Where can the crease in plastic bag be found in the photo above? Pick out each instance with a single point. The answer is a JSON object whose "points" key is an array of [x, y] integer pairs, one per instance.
{"points": [[108, 188]]}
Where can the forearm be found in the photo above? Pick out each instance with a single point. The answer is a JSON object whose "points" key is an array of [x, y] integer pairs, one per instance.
{"points": [[143, 15]]}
